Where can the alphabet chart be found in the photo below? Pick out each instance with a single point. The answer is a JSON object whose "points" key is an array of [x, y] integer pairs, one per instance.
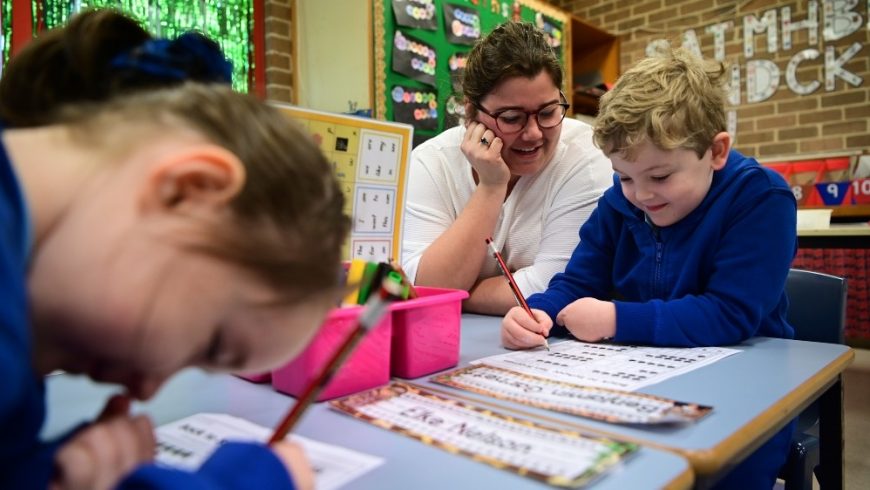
{"points": [[619, 407], [370, 159], [620, 367], [554, 456], [187, 443]]}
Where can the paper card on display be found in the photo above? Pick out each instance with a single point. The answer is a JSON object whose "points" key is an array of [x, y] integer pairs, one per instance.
{"points": [[551, 455], [607, 405]]}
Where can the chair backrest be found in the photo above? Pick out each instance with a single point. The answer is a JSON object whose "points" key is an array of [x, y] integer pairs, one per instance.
{"points": [[816, 306], [817, 311]]}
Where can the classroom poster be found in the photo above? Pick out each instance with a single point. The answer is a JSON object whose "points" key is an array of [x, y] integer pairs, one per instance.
{"points": [[370, 159]]}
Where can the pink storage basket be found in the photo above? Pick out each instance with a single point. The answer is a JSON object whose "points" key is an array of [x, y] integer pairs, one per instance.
{"points": [[426, 332], [368, 366]]}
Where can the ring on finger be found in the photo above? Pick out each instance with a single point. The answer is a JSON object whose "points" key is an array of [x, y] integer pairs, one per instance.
{"points": [[484, 141]]}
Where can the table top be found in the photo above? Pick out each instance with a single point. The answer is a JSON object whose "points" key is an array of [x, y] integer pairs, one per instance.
{"points": [[753, 393], [74, 399]]}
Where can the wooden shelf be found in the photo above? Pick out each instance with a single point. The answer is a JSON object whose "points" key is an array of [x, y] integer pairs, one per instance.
{"points": [[856, 211], [594, 56], [584, 104]]}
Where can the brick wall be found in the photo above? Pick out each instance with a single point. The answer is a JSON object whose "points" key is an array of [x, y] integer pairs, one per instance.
{"points": [[786, 124], [279, 50]]}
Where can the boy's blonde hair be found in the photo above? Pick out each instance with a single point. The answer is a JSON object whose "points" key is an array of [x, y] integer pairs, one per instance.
{"points": [[674, 100], [287, 224]]}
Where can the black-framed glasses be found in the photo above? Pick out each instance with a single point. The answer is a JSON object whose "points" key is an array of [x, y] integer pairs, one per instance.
{"points": [[511, 121]]}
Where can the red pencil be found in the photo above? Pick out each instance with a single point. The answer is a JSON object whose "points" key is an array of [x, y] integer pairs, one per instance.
{"points": [[375, 308], [513, 284]]}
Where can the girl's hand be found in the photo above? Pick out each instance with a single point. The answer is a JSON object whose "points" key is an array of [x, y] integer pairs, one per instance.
{"points": [[99, 456], [520, 331], [485, 159], [297, 464], [589, 319]]}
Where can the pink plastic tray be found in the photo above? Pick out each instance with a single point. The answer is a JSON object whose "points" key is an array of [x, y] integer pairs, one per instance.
{"points": [[426, 332]]}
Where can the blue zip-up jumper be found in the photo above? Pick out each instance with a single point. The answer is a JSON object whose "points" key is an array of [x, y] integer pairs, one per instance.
{"points": [[717, 277]]}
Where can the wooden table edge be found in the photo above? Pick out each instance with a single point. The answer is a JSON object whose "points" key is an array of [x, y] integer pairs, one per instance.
{"points": [[770, 421], [684, 480]]}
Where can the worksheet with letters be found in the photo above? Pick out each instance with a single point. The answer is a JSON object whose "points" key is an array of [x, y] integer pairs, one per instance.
{"points": [[620, 367], [187, 443]]}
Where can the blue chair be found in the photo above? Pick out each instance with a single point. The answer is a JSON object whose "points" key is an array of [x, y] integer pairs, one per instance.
{"points": [[817, 311]]}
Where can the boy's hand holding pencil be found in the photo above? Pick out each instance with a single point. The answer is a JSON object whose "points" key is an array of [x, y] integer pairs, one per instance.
{"points": [[520, 331], [517, 339]]}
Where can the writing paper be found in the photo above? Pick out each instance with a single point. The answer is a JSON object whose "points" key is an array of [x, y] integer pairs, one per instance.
{"points": [[555, 456], [604, 404], [620, 367], [188, 442]]}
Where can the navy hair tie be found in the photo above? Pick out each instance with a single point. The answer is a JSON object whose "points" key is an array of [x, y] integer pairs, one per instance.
{"points": [[190, 56]]}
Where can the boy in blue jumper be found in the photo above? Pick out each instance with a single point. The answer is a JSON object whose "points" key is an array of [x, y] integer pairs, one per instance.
{"points": [[692, 244]]}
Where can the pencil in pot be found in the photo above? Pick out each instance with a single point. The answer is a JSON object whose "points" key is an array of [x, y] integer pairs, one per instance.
{"points": [[518, 295], [375, 308]]}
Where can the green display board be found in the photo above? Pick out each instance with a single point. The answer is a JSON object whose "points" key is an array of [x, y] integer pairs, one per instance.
{"points": [[419, 50], [228, 22]]}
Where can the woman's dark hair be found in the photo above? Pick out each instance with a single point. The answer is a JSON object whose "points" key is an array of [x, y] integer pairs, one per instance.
{"points": [[97, 55], [513, 49]]}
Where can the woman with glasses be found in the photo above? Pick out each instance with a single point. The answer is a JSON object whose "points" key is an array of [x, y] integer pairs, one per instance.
{"points": [[517, 171]]}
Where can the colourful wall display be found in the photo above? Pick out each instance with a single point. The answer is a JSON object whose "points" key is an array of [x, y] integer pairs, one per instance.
{"points": [[229, 22], [420, 48]]}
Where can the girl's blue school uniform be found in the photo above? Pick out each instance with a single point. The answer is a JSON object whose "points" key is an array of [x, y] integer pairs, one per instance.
{"points": [[26, 462], [716, 277]]}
